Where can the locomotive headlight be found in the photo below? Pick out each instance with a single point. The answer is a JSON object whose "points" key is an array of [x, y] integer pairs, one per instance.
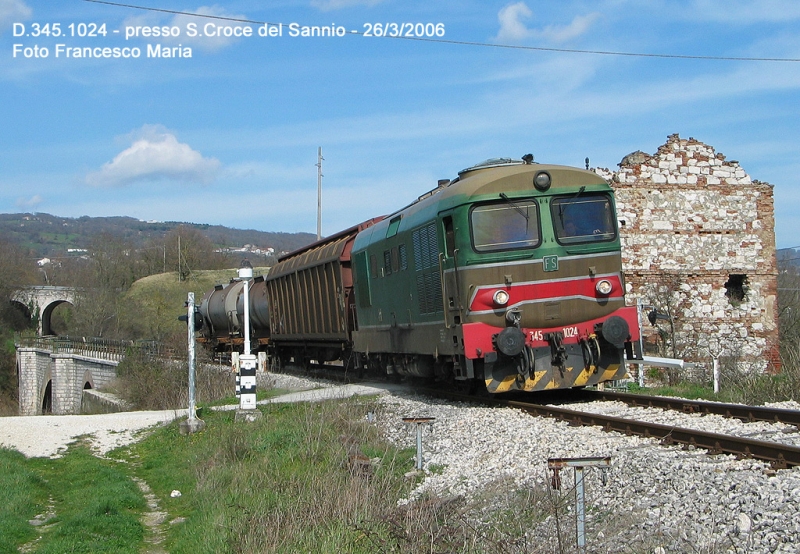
{"points": [[604, 287], [500, 297], [542, 181]]}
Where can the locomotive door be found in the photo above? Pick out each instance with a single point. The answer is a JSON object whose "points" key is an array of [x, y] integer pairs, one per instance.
{"points": [[448, 262]]}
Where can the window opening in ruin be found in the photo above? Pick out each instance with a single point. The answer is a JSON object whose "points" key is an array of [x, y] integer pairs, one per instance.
{"points": [[736, 288]]}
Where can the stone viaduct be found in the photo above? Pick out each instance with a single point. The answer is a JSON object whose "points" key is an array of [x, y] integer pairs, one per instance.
{"points": [[54, 372], [39, 303]]}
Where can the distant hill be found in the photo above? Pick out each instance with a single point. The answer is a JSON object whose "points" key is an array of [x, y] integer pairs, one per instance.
{"points": [[49, 235], [788, 257]]}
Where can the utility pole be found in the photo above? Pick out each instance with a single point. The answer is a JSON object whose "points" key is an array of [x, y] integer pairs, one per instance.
{"points": [[319, 192]]}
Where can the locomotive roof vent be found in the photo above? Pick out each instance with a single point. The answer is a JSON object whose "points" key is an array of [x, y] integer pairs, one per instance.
{"points": [[498, 162]]}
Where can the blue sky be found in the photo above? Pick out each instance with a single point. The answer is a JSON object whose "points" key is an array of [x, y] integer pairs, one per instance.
{"points": [[230, 135]]}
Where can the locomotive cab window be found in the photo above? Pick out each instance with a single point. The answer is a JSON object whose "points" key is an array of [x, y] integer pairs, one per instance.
{"points": [[583, 218], [508, 225]]}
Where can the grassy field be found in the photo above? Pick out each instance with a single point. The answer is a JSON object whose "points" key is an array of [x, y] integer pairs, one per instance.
{"points": [[283, 484]]}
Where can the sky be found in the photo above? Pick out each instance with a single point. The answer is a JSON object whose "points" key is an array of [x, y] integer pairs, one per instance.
{"points": [[228, 130]]}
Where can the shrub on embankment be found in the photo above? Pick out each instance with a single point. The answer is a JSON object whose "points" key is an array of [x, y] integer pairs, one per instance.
{"points": [[150, 383]]}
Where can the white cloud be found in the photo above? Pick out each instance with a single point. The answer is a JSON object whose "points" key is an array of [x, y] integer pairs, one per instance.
{"points": [[512, 23], [155, 154], [330, 5], [563, 33], [513, 26], [29, 203], [12, 11]]}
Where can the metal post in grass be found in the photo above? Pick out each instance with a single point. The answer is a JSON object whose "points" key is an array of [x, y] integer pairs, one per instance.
{"points": [[192, 423], [556, 465], [418, 421]]}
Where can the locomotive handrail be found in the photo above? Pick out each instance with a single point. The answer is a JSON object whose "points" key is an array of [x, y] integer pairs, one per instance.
{"points": [[444, 292]]}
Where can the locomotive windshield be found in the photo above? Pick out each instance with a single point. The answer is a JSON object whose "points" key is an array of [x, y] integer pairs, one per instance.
{"points": [[511, 225], [583, 218]]}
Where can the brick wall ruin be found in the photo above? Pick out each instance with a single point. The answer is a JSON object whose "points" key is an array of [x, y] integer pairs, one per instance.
{"points": [[698, 244]]}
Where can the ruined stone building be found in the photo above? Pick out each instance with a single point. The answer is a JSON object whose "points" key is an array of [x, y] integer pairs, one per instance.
{"points": [[698, 245]]}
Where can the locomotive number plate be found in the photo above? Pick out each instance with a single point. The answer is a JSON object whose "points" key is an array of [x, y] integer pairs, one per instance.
{"points": [[550, 263]]}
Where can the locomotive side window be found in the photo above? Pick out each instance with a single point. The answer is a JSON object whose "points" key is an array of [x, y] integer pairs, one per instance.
{"points": [[394, 223], [510, 225], [583, 218]]}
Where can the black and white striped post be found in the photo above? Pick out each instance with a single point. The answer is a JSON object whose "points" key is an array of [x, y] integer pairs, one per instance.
{"points": [[248, 362]]}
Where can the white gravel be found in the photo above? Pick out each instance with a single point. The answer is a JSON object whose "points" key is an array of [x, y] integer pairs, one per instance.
{"points": [[657, 497], [37, 436]]}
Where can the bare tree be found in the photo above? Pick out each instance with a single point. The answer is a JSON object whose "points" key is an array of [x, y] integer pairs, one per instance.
{"points": [[188, 249]]}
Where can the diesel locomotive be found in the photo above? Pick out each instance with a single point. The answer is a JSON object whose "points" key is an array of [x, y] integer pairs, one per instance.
{"points": [[509, 275]]}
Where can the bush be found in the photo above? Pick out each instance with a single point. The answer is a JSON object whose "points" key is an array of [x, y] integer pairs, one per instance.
{"points": [[150, 383]]}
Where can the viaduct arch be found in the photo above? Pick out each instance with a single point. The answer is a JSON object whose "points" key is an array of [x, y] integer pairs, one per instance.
{"points": [[40, 301]]}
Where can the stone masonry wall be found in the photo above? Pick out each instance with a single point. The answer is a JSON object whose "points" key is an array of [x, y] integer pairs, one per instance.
{"points": [[33, 365], [68, 374], [698, 243]]}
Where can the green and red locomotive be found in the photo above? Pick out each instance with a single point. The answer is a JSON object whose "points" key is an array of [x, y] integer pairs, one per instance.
{"points": [[510, 275]]}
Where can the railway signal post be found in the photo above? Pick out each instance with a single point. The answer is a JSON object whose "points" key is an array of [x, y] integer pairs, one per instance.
{"points": [[192, 423], [248, 362]]}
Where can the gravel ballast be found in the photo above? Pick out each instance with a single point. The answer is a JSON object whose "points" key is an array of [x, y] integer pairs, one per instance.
{"points": [[657, 497]]}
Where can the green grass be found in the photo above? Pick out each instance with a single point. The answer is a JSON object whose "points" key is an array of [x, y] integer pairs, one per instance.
{"points": [[689, 390], [24, 496], [95, 505], [280, 484]]}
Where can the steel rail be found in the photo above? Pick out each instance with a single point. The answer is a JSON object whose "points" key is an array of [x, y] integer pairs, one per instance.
{"points": [[781, 456], [737, 411]]}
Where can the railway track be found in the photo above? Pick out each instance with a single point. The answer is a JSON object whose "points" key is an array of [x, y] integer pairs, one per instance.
{"points": [[780, 456], [737, 411]]}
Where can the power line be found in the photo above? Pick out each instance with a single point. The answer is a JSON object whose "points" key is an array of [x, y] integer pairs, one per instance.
{"points": [[471, 43]]}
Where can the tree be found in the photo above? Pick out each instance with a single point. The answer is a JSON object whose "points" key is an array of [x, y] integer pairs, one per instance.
{"points": [[109, 268], [788, 303], [188, 249], [16, 269]]}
